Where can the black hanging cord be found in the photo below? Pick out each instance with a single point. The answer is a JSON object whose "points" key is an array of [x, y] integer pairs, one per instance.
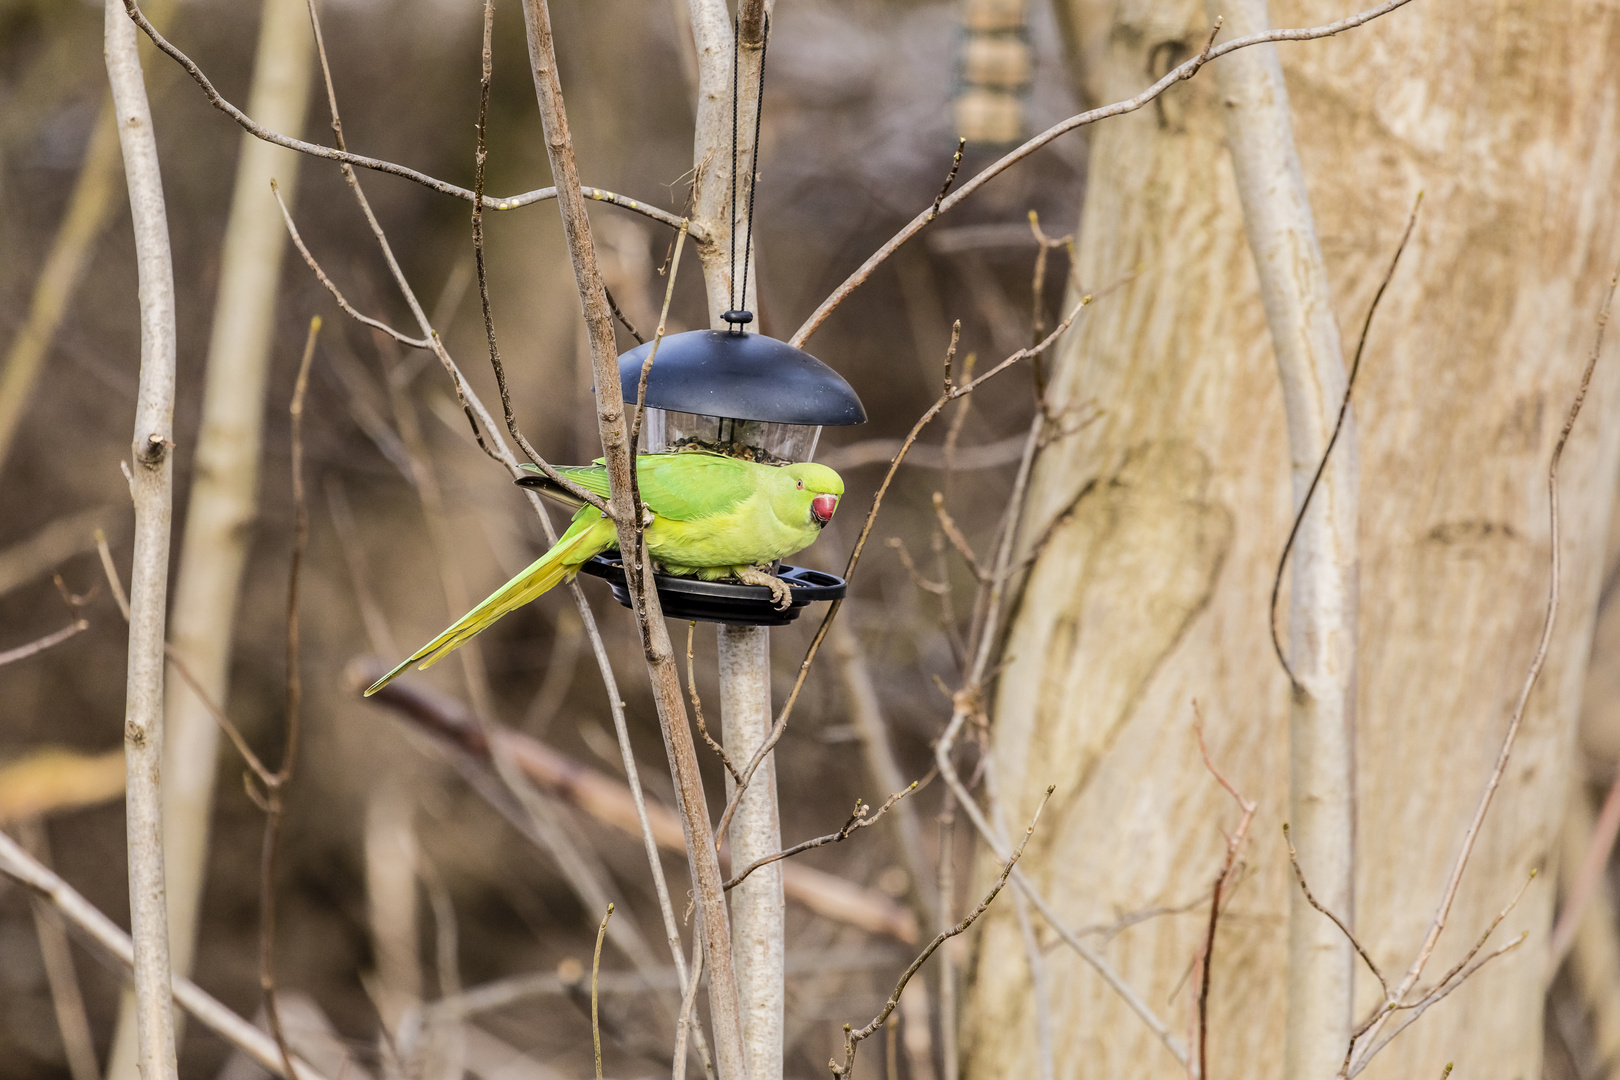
{"points": [[739, 317]]}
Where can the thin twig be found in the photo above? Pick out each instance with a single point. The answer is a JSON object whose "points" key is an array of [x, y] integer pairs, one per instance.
{"points": [[1338, 426], [898, 546], [1349, 935], [954, 533], [1485, 935], [331, 287], [596, 968], [950, 178], [853, 1038], [658, 339], [942, 758], [273, 786], [618, 314], [1422, 1008], [1184, 71], [33, 648], [947, 966], [470, 406], [1229, 864], [343, 157], [176, 661], [684, 1024], [858, 820], [481, 155], [697, 709], [67, 999], [605, 799]]}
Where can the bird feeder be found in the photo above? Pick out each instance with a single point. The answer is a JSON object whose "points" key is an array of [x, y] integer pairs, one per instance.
{"points": [[749, 396]]}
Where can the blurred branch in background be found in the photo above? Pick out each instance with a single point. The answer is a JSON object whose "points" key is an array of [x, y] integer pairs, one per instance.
{"points": [[88, 210], [63, 538], [51, 780], [608, 801], [1594, 936], [78, 1043], [19, 866]]}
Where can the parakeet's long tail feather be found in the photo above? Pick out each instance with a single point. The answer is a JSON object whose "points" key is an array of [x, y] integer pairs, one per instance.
{"points": [[583, 540]]}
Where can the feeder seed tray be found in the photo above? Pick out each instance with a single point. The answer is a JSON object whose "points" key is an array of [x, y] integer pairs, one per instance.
{"points": [[724, 602]]}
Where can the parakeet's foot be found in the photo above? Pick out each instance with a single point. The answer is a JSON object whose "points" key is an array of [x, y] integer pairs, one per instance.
{"points": [[780, 593]]}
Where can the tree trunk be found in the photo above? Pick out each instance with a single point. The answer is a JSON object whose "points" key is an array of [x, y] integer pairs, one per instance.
{"points": [[1172, 508]]}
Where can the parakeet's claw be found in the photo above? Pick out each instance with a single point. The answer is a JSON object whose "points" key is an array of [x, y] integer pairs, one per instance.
{"points": [[781, 595]]}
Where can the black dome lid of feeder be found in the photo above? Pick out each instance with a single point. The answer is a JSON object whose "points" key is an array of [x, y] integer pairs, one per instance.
{"points": [[742, 376]]}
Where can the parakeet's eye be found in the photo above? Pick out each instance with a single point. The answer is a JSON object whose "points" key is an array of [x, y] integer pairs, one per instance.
{"points": [[801, 485]]}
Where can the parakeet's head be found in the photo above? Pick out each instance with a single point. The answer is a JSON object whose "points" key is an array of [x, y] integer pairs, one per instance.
{"points": [[817, 487]]}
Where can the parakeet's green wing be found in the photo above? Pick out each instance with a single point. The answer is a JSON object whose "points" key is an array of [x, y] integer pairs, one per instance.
{"points": [[592, 478], [692, 486], [686, 486]]}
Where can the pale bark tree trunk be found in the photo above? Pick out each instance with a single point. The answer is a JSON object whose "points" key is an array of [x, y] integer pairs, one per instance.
{"points": [[1153, 589]]}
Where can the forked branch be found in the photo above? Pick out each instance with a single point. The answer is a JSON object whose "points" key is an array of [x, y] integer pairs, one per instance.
{"points": [[860, 819]]}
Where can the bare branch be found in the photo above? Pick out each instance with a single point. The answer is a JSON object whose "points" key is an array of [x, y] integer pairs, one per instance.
{"points": [[950, 178], [1299, 875], [1419, 1009], [1229, 865], [1536, 664], [685, 1023], [320, 275], [725, 1008], [607, 800], [697, 709], [481, 154], [273, 786], [596, 968], [1593, 863], [151, 484], [23, 652], [958, 541]]}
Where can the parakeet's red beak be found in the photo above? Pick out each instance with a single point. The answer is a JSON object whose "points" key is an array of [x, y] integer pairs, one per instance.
{"points": [[822, 507]]}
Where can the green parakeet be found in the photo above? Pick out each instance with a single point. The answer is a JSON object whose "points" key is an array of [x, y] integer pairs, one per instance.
{"points": [[713, 517]]}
